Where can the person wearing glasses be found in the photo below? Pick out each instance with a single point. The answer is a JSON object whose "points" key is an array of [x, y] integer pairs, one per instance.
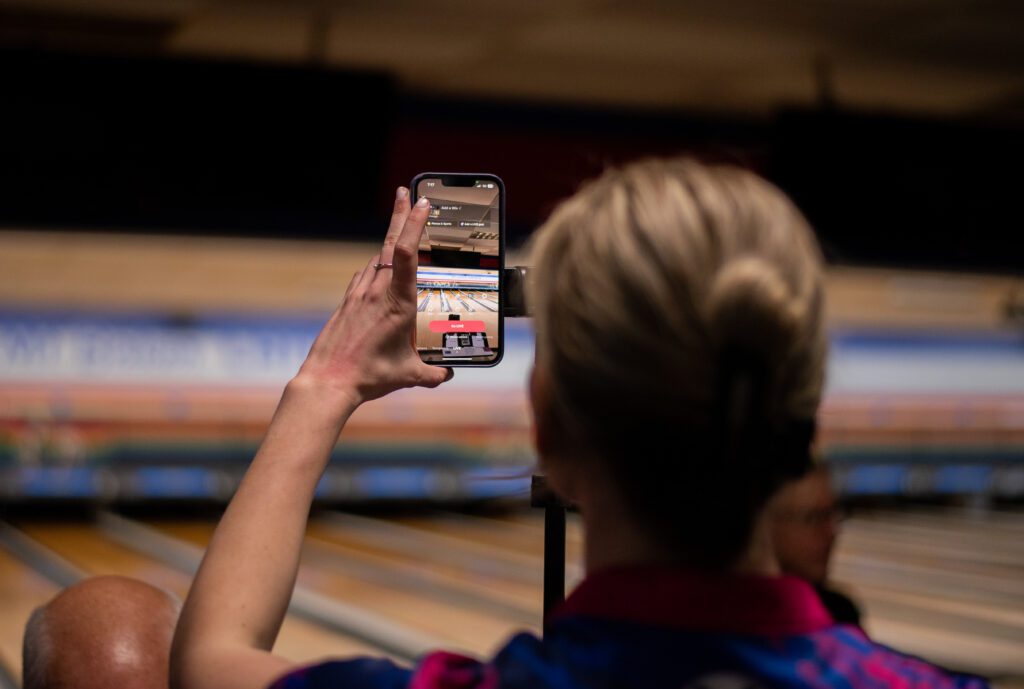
{"points": [[805, 523]]}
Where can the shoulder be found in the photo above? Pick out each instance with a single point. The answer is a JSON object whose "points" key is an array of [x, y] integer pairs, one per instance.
{"points": [[521, 662], [846, 650], [438, 670], [590, 653], [358, 673], [445, 670]]}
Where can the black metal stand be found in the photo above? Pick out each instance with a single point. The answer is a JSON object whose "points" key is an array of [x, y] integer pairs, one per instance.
{"points": [[554, 542]]}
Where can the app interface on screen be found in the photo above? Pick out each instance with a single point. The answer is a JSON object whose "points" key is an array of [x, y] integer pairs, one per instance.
{"points": [[457, 278]]}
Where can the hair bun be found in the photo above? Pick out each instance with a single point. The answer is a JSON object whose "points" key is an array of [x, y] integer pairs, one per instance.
{"points": [[752, 312]]}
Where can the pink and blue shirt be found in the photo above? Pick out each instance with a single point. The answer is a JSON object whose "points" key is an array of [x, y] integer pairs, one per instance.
{"points": [[664, 628]]}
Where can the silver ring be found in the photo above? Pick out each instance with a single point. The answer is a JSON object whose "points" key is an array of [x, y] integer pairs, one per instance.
{"points": [[378, 266]]}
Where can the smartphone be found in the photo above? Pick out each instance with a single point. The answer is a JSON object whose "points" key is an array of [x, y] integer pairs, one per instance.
{"points": [[459, 290]]}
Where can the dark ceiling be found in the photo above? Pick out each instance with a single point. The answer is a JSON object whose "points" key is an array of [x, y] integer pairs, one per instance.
{"points": [[935, 57]]}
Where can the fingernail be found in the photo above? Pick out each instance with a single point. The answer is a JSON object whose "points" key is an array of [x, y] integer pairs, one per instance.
{"points": [[401, 193], [451, 374], [423, 202]]}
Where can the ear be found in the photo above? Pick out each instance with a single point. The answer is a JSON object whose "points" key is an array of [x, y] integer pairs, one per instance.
{"points": [[553, 460]]}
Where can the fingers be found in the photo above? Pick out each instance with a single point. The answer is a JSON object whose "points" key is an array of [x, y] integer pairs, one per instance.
{"points": [[406, 250], [361, 282], [351, 284], [398, 217]]}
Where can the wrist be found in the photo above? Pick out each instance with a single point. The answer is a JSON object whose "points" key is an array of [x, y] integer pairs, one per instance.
{"points": [[336, 401]]}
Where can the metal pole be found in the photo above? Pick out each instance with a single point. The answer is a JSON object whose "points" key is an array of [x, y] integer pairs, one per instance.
{"points": [[554, 542], [554, 557]]}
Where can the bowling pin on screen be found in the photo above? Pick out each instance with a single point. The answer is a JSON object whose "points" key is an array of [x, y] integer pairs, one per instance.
{"points": [[458, 319]]}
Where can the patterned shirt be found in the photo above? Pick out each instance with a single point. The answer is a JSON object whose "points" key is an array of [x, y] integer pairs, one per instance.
{"points": [[664, 628]]}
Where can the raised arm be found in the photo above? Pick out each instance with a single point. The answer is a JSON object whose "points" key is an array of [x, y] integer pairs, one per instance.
{"points": [[240, 594]]}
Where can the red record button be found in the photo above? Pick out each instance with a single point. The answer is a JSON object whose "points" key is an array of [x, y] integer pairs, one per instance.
{"points": [[457, 326]]}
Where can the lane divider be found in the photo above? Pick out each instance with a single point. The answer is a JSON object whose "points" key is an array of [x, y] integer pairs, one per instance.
{"points": [[44, 562], [472, 556], [7, 680], [375, 630], [40, 558], [478, 558]]}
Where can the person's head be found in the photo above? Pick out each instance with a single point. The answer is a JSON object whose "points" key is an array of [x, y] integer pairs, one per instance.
{"points": [[680, 348], [805, 522], [103, 632]]}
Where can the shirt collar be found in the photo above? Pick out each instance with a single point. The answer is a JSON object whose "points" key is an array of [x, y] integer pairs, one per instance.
{"points": [[698, 601]]}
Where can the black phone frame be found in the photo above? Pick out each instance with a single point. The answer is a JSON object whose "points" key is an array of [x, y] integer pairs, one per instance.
{"points": [[466, 179]]}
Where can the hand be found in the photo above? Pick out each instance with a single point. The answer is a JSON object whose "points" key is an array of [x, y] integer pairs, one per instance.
{"points": [[366, 349]]}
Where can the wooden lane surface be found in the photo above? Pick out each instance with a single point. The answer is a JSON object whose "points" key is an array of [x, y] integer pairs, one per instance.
{"points": [[973, 560], [516, 561], [115, 271], [111, 271], [434, 548], [328, 547], [918, 299], [458, 627], [83, 545], [523, 535], [21, 591], [489, 571]]}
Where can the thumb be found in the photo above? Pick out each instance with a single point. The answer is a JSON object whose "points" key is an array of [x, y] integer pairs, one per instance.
{"points": [[432, 376]]}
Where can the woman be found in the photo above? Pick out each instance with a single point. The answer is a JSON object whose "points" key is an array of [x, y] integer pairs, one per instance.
{"points": [[680, 361]]}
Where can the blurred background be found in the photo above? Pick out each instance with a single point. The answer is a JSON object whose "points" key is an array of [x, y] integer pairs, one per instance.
{"points": [[186, 187]]}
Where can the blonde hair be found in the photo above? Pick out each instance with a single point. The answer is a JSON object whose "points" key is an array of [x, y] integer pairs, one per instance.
{"points": [[678, 312]]}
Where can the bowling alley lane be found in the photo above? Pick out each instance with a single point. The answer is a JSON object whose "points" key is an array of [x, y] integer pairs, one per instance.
{"points": [[955, 558], [523, 535], [88, 548], [21, 591], [938, 583], [944, 584], [435, 548], [458, 586], [373, 550], [477, 625], [502, 573]]}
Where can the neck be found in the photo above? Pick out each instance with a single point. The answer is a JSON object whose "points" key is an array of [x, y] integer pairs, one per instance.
{"points": [[759, 555], [613, 539]]}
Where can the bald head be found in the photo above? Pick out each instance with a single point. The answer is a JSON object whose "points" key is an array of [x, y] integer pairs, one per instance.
{"points": [[102, 632]]}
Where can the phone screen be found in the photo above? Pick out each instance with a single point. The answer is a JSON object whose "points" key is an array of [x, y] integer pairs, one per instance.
{"points": [[458, 281]]}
